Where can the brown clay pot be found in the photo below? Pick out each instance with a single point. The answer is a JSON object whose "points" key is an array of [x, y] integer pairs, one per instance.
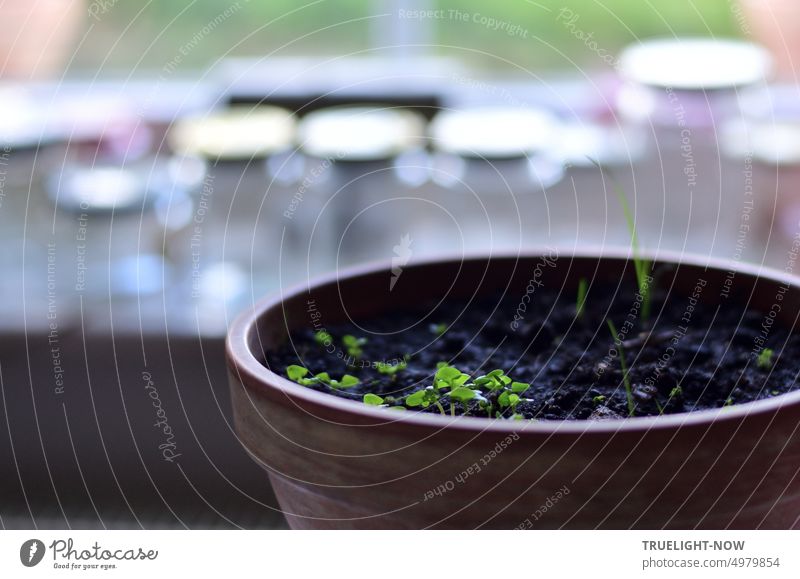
{"points": [[335, 463]]}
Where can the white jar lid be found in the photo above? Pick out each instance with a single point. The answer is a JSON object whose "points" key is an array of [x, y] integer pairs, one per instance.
{"points": [[586, 143], [237, 133], [353, 133], [694, 63], [98, 188], [493, 132], [25, 126]]}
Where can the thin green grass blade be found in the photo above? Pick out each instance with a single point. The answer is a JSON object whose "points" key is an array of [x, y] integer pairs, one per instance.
{"points": [[626, 380]]}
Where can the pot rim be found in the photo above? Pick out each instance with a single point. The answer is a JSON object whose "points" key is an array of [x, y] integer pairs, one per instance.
{"points": [[243, 363]]}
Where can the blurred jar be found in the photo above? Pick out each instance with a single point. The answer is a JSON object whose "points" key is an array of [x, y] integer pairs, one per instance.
{"points": [[767, 140], [690, 82], [491, 168], [681, 92], [105, 219], [245, 188], [36, 36], [357, 200]]}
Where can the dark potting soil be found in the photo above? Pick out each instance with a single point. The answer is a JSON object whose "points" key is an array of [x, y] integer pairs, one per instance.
{"points": [[686, 357]]}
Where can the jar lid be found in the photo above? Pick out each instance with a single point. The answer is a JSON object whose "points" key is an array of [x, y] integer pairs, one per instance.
{"points": [[98, 189], [352, 133], [694, 63], [237, 133], [584, 144], [103, 188], [493, 132], [26, 127]]}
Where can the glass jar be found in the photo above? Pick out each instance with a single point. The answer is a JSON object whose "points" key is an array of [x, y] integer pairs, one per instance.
{"points": [[236, 224], [491, 168], [358, 199], [767, 139], [680, 92]]}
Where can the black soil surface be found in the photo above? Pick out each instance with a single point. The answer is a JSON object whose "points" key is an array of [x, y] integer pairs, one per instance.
{"points": [[686, 357]]}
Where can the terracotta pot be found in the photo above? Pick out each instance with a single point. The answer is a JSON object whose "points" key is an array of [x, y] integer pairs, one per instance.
{"points": [[336, 463]]}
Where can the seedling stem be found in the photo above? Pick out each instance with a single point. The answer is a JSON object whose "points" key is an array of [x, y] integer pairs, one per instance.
{"points": [[642, 266], [580, 304], [626, 379]]}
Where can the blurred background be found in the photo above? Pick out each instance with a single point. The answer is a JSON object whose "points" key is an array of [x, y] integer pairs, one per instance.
{"points": [[164, 165]]}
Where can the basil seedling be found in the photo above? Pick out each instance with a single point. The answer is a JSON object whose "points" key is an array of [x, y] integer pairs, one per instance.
{"points": [[494, 380], [425, 398], [323, 338], [347, 380], [373, 400], [391, 369], [298, 374], [764, 359], [438, 329], [354, 346]]}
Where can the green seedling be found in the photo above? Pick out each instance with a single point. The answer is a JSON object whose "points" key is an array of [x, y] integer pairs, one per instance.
{"points": [[519, 387], [599, 399], [764, 359], [373, 400], [323, 338], [380, 402], [391, 369], [354, 346], [298, 374], [580, 303], [438, 329], [449, 377], [499, 381], [425, 398], [642, 266], [462, 394], [728, 402], [455, 386], [508, 400], [347, 381], [494, 380], [676, 392], [626, 379]]}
